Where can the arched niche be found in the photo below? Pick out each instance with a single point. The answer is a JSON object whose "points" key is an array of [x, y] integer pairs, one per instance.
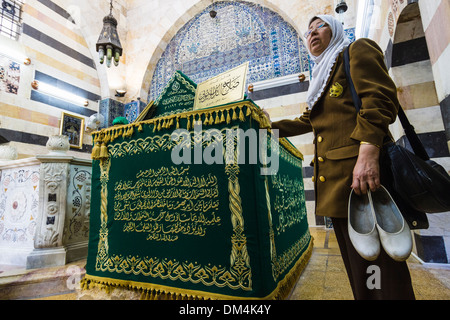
{"points": [[241, 31]]}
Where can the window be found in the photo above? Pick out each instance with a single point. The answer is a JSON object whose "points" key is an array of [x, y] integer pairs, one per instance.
{"points": [[10, 18]]}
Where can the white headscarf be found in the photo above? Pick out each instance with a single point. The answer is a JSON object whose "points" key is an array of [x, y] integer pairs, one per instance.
{"points": [[325, 61]]}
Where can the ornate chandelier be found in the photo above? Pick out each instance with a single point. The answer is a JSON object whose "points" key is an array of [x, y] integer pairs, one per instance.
{"points": [[108, 44]]}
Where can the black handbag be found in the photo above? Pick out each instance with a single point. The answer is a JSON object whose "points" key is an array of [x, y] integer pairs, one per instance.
{"points": [[417, 184]]}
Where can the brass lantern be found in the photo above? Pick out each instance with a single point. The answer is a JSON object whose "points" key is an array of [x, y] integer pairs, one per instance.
{"points": [[108, 45]]}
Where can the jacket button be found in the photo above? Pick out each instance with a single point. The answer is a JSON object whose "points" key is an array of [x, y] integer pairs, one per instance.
{"points": [[313, 179], [414, 223], [319, 139], [322, 179], [320, 159]]}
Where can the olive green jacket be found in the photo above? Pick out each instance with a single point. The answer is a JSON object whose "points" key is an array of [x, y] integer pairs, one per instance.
{"points": [[338, 129]]}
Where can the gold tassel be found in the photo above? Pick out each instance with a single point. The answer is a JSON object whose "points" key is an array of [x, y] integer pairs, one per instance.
{"points": [[140, 127], [249, 111], [84, 284], [206, 122], [234, 114], [96, 149], [178, 122], [107, 137], [103, 151], [265, 123], [188, 123], [228, 117], [241, 114], [159, 125], [217, 118], [130, 131], [95, 152], [210, 118], [199, 121], [222, 117]]}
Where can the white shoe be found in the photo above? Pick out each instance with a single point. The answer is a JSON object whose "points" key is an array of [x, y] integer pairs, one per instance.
{"points": [[361, 227], [395, 235]]}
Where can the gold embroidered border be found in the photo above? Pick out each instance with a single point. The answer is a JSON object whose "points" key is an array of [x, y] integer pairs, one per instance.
{"points": [[149, 291], [211, 116], [239, 276], [282, 262]]}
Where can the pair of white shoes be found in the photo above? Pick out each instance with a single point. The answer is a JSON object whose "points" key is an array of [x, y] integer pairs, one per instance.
{"points": [[374, 218]]}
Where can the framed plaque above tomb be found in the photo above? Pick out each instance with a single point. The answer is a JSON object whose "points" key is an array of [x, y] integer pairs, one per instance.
{"points": [[224, 88]]}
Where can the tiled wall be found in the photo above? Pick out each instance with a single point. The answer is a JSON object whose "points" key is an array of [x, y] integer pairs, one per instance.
{"points": [[241, 32], [112, 109], [133, 109]]}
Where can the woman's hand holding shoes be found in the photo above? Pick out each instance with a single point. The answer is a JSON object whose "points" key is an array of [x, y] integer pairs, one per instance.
{"points": [[366, 174]]}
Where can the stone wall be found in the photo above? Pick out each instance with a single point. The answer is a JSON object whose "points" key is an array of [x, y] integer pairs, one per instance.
{"points": [[415, 39], [44, 210], [60, 58]]}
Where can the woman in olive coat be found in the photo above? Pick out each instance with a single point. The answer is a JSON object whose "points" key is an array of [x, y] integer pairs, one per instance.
{"points": [[347, 143]]}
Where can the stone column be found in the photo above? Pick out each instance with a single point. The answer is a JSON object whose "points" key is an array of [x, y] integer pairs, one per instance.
{"points": [[54, 172]]}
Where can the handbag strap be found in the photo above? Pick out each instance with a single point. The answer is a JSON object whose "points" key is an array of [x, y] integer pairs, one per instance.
{"points": [[410, 132]]}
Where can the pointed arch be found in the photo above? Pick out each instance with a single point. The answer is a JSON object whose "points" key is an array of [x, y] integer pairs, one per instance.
{"points": [[242, 31]]}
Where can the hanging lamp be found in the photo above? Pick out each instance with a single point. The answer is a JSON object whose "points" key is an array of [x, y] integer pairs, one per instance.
{"points": [[341, 8], [212, 13], [108, 45]]}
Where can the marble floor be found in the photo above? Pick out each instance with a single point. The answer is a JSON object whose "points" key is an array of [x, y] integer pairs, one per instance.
{"points": [[324, 278]]}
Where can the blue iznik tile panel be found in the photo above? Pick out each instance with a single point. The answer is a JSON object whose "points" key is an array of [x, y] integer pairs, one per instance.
{"points": [[350, 33], [241, 32], [133, 109], [110, 109]]}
